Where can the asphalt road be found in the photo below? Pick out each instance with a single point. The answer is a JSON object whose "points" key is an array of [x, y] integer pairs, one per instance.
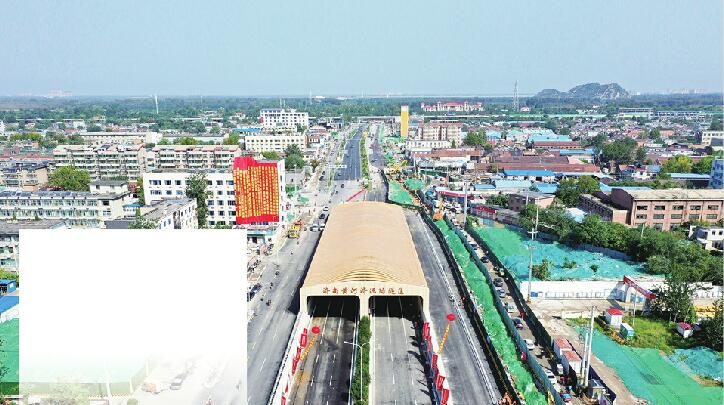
{"points": [[351, 159], [399, 370], [323, 377], [469, 373]]}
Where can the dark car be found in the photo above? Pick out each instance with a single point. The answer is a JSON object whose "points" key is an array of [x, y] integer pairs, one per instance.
{"points": [[518, 323], [322, 216], [485, 259], [252, 292], [498, 282]]}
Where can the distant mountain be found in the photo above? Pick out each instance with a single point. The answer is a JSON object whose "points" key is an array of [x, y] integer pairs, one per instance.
{"points": [[611, 91]]}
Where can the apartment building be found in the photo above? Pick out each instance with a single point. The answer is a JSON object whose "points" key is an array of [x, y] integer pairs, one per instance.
{"points": [[25, 176], [274, 142], [441, 131], [281, 117], [192, 157], [518, 201], [10, 239], [173, 213], [221, 203], [716, 177], [706, 136], [103, 161], [80, 209], [667, 209], [120, 138]]}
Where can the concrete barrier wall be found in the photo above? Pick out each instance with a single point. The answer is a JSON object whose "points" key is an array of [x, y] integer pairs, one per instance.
{"points": [[285, 376]]}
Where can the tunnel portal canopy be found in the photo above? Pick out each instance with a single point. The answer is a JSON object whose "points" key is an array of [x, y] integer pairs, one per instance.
{"points": [[366, 250]]}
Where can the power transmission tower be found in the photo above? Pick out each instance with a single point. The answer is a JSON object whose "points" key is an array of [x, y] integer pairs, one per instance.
{"points": [[516, 105]]}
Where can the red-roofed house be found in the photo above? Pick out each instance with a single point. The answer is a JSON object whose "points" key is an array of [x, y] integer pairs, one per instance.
{"points": [[614, 317], [684, 329]]}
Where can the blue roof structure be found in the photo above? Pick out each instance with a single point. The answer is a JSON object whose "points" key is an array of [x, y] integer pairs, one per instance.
{"points": [[535, 173], [546, 188], [493, 135], [248, 130], [548, 136], [565, 152], [689, 176], [580, 174], [515, 184], [6, 281], [607, 189], [8, 301], [483, 186]]}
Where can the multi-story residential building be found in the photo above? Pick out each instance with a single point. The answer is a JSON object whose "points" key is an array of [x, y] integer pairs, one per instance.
{"points": [[268, 141], [624, 112], [75, 208], [10, 240], [24, 176], [172, 213], [120, 138], [465, 106], [109, 187], [518, 201], [419, 144], [596, 205], [716, 177], [441, 131], [667, 209], [280, 117], [103, 161], [711, 238], [192, 157], [222, 198], [706, 136]]}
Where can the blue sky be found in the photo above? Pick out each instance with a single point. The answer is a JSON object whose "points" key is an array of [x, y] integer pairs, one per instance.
{"points": [[249, 47]]}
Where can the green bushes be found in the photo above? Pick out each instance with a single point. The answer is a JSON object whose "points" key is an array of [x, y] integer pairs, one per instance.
{"points": [[360, 395]]}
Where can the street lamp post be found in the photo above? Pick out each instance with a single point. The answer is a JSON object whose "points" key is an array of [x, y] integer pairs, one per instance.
{"points": [[361, 374]]}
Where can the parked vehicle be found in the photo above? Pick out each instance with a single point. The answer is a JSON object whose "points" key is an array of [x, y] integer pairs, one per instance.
{"points": [[566, 397], [518, 323], [176, 383], [550, 375], [322, 216], [325, 209], [498, 282], [314, 228], [501, 292], [529, 344], [559, 368], [510, 306], [485, 259]]}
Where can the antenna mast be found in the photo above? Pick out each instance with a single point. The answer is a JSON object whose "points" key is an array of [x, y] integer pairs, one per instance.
{"points": [[516, 105], [155, 99]]}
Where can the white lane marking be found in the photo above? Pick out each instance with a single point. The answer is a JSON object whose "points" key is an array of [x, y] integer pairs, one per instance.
{"points": [[262, 365], [339, 325]]}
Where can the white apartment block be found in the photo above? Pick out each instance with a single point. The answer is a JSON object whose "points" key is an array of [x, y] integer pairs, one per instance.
{"points": [[441, 131], [267, 142], [222, 198], [172, 213], [707, 135], [427, 144], [103, 161], [192, 157], [120, 137], [77, 209], [280, 117]]}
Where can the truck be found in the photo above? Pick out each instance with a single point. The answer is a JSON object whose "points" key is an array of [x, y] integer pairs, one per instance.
{"points": [[295, 229]]}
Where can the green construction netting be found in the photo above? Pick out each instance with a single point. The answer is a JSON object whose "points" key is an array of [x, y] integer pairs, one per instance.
{"points": [[511, 248], [699, 361], [302, 200], [398, 194], [494, 324], [648, 374], [9, 356], [414, 184]]}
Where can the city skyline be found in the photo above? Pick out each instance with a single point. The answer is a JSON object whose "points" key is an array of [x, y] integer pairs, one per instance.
{"points": [[237, 49]]}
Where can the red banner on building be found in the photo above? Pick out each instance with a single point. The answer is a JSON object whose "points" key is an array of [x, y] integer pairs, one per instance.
{"points": [[256, 185]]}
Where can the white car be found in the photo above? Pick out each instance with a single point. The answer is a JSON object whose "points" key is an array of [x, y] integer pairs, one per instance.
{"points": [[529, 344], [551, 376], [325, 209]]}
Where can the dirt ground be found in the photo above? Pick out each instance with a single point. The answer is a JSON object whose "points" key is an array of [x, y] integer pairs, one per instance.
{"points": [[551, 313]]}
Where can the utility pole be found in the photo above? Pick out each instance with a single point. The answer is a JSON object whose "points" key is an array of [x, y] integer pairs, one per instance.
{"points": [[530, 265], [465, 203], [516, 104], [633, 320], [587, 353]]}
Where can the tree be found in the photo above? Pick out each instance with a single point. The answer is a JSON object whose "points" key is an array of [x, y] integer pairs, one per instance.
{"points": [[314, 163], [716, 125], [95, 128], [621, 151], [640, 155], [712, 328], [500, 200], [292, 149], [67, 394], [474, 139], [703, 166], [673, 301], [142, 223], [186, 140], [677, 164], [542, 271], [570, 189], [196, 189], [598, 141], [69, 178], [292, 162], [271, 155], [139, 191], [232, 139]]}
